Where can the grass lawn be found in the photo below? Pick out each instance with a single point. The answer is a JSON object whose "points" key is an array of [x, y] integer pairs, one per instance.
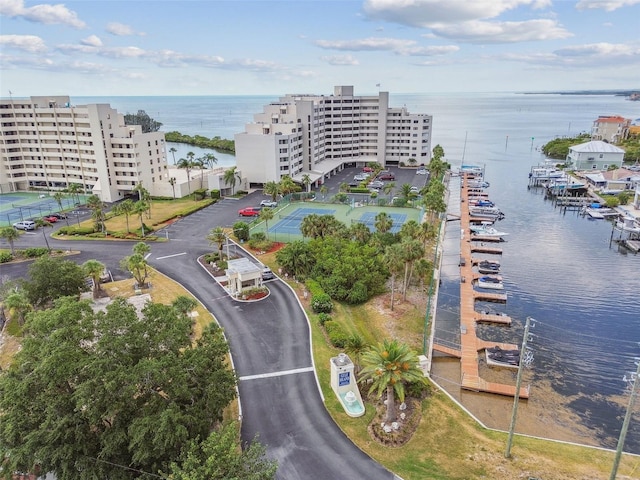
{"points": [[449, 444]]}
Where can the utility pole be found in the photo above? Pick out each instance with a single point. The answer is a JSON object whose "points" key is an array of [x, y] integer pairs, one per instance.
{"points": [[516, 398], [627, 418]]}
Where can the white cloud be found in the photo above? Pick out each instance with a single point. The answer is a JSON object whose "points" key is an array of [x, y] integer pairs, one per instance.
{"points": [[469, 21], [92, 40], [431, 51], [600, 50], [608, 5], [594, 55], [42, 13], [501, 32], [121, 30], [27, 43], [365, 44], [340, 60], [423, 13]]}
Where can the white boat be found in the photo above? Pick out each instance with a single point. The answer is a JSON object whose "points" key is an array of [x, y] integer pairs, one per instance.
{"points": [[628, 224], [487, 231], [493, 282], [486, 212]]}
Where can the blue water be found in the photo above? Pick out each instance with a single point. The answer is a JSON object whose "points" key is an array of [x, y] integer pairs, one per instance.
{"points": [[558, 267]]}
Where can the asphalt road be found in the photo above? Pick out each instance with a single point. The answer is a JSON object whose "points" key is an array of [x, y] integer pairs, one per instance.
{"points": [[270, 344]]}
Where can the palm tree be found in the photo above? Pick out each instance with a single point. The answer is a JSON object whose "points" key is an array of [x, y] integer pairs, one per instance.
{"points": [[136, 263], [272, 188], [188, 165], [95, 205], [390, 365], [173, 151], [360, 233], [412, 250], [355, 347], [287, 185], [265, 215], [306, 181], [172, 182], [11, 235], [125, 208], [405, 191], [383, 222], [58, 196], [344, 187], [388, 188], [323, 191], [74, 189], [230, 177], [139, 208], [43, 223], [217, 237], [423, 267], [144, 196], [94, 269], [427, 232], [410, 229], [393, 261], [18, 302]]}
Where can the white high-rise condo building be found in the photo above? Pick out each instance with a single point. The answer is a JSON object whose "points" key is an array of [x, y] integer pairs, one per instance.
{"points": [[48, 144], [318, 135]]}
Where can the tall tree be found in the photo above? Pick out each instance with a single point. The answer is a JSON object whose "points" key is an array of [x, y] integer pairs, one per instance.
{"points": [[50, 278], [383, 222], [393, 260], [266, 214], [74, 189], [323, 191], [141, 118], [172, 182], [126, 208], [58, 197], [110, 395], [140, 208], [10, 234], [388, 188], [208, 160], [173, 151], [287, 185], [42, 224], [272, 188], [230, 177], [306, 181], [217, 237], [218, 457], [97, 212], [412, 250], [94, 269], [136, 263], [188, 165], [389, 365]]}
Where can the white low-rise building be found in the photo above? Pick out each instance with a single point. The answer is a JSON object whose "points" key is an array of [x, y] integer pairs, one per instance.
{"points": [[595, 155], [318, 135], [46, 143]]}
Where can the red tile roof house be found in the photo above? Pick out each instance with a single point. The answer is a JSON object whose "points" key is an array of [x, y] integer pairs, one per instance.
{"points": [[610, 128]]}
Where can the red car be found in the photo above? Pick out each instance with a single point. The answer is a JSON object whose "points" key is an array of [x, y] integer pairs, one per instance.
{"points": [[50, 219], [367, 169], [249, 212]]}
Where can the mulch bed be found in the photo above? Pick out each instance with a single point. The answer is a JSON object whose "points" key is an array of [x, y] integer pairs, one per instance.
{"points": [[407, 426]]}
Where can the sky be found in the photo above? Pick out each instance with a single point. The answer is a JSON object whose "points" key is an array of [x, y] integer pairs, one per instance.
{"points": [[264, 47]]}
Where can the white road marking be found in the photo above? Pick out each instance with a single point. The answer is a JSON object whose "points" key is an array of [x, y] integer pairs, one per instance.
{"points": [[277, 374], [169, 256]]}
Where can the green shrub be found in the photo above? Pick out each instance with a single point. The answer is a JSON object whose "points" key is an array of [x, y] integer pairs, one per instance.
{"points": [[34, 252], [258, 241], [200, 194], [418, 389], [314, 287], [358, 190], [241, 230], [323, 318], [611, 201], [5, 257], [69, 230], [97, 235], [321, 303], [624, 197], [215, 194], [336, 334]]}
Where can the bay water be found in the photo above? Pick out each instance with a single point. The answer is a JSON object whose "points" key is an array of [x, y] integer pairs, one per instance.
{"points": [[558, 267]]}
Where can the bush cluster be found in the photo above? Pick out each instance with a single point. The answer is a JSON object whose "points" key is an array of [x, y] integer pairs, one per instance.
{"points": [[34, 252], [259, 241], [5, 257], [337, 336], [323, 318], [75, 230]]}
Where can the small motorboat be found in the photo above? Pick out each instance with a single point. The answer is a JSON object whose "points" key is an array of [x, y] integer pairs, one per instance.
{"points": [[488, 267], [491, 281], [498, 356], [486, 231]]}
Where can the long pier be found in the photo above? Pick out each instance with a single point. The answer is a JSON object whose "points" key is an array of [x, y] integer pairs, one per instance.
{"points": [[470, 344]]}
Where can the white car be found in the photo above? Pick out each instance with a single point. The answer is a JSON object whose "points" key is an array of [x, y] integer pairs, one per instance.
{"points": [[422, 171], [361, 177], [415, 189], [268, 203], [25, 225]]}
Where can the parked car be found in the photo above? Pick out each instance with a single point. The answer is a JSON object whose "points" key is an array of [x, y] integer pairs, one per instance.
{"points": [[367, 169], [25, 225], [386, 176], [422, 171], [249, 212], [50, 218], [59, 216], [360, 177], [267, 274], [415, 189], [268, 203], [376, 184]]}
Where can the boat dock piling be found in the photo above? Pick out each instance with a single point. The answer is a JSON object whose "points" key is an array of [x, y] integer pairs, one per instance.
{"points": [[470, 344]]}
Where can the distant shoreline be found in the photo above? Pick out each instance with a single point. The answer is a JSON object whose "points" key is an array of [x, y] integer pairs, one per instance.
{"points": [[617, 93]]}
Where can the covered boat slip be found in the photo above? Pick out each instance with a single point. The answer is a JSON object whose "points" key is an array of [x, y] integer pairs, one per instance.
{"points": [[470, 344]]}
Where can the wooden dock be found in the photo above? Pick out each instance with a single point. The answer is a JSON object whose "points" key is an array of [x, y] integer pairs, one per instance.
{"points": [[470, 344]]}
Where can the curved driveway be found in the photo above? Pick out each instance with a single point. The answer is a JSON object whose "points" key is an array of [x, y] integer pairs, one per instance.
{"points": [[270, 344]]}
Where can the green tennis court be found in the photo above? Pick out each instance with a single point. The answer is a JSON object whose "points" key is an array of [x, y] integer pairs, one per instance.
{"points": [[285, 225]]}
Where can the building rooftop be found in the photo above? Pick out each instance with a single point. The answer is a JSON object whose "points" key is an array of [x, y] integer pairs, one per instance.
{"points": [[596, 146]]}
